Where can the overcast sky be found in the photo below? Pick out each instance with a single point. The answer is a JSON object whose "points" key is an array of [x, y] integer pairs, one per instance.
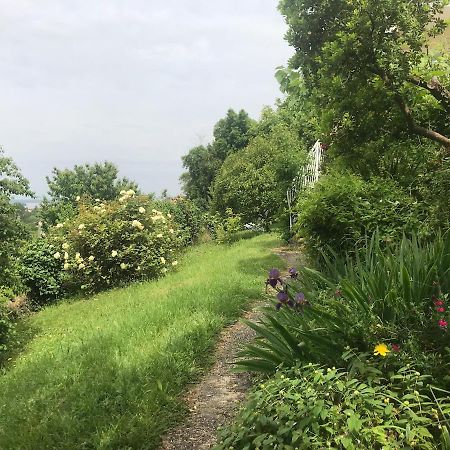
{"points": [[136, 82]]}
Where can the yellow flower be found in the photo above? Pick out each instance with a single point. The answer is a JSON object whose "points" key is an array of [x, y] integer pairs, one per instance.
{"points": [[77, 255], [65, 246], [123, 192], [81, 226], [78, 198], [171, 231], [66, 266], [131, 192], [91, 258], [123, 266], [66, 255], [57, 255], [174, 263], [164, 270], [160, 235], [142, 210], [59, 225], [381, 349], [163, 260], [169, 216], [114, 253], [81, 266]]}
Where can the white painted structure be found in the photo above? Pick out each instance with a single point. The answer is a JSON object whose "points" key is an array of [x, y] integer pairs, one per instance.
{"points": [[306, 178]]}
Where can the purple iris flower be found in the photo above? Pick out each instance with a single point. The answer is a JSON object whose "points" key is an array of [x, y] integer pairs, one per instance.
{"points": [[293, 272], [274, 278], [282, 297], [300, 299]]}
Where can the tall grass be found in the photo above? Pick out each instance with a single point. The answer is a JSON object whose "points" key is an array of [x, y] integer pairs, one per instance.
{"points": [[107, 372]]}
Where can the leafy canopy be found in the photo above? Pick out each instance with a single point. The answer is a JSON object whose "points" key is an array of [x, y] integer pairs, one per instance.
{"points": [[231, 134], [362, 58]]}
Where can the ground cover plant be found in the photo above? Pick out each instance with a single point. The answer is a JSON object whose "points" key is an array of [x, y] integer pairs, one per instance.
{"points": [[106, 372], [309, 407]]}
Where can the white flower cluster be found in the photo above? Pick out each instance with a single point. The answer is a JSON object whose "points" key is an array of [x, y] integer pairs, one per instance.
{"points": [[125, 195]]}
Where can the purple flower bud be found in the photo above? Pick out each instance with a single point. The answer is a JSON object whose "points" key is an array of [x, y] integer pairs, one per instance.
{"points": [[278, 306], [293, 272]]}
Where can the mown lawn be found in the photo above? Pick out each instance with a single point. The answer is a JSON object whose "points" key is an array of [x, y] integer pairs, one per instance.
{"points": [[107, 372]]}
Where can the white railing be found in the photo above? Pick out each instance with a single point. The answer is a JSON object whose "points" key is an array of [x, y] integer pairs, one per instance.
{"points": [[306, 178]]}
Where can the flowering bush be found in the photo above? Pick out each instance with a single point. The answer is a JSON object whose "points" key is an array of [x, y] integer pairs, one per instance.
{"points": [[105, 245], [187, 215], [311, 408], [390, 302]]}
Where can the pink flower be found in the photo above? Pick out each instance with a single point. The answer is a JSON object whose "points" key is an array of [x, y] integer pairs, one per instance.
{"points": [[395, 348], [438, 302], [443, 323], [441, 310]]}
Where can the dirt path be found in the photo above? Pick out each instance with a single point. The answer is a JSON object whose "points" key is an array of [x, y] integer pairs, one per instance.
{"points": [[215, 400]]}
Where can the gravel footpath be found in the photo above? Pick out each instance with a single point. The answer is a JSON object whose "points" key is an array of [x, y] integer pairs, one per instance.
{"points": [[215, 399]]}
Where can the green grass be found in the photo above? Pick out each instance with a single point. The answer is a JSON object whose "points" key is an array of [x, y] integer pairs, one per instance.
{"points": [[107, 372]]}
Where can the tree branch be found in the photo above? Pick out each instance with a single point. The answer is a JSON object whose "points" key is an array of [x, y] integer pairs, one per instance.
{"points": [[435, 88], [417, 129], [405, 109]]}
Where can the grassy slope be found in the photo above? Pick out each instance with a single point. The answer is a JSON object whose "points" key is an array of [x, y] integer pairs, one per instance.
{"points": [[106, 372]]}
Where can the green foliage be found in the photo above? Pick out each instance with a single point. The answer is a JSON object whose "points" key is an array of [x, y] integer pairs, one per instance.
{"points": [[231, 134], [187, 216], [12, 233], [41, 274], [12, 182], [308, 407], [253, 182], [390, 295], [6, 327], [227, 230], [342, 209], [377, 51], [88, 181]]}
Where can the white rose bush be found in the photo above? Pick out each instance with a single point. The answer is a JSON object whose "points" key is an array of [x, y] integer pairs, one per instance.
{"points": [[111, 244]]}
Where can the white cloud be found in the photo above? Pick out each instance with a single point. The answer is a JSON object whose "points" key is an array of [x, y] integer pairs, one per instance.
{"points": [[135, 82]]}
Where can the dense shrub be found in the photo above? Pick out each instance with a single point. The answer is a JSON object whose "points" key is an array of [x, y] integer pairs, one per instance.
{"points": [[253, 182], [105, 245], [188, 217], [41, 273], [310, 408], [6, 328], [229, 227], [395, 296], [342, 208], [12, 234]]}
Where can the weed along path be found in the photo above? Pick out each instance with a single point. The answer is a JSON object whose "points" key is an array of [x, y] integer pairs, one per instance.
{"points": [[108, 372], [215, 399]]}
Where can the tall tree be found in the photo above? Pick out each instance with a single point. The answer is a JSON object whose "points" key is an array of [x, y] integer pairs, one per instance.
{"points": [[12, 230], [364, 57], [231, 134], [99, 180]]}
